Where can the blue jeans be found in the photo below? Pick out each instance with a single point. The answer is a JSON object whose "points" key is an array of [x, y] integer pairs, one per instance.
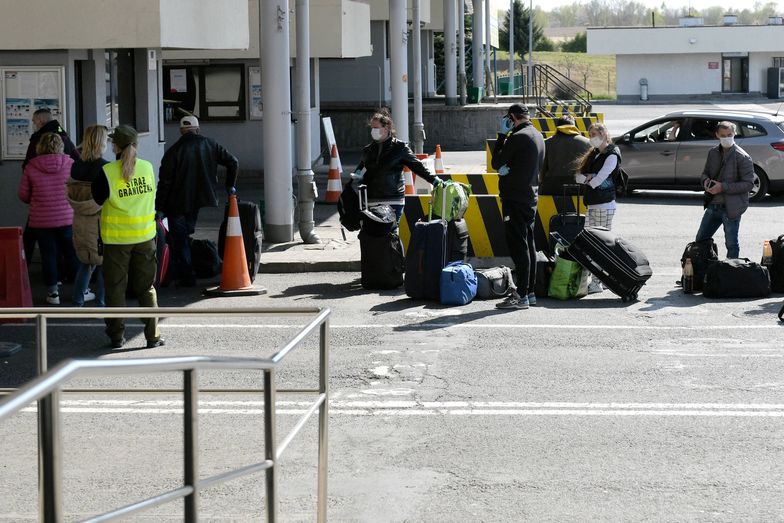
{"points": [[55, 242], [180, 228], [715, 216], [82, 282]]}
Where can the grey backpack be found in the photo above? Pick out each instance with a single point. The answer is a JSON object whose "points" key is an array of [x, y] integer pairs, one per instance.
{"points": [[494, 283]]}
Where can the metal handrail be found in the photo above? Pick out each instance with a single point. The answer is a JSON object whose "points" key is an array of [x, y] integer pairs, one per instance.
{"points": [[45, 389], [545, 74]]}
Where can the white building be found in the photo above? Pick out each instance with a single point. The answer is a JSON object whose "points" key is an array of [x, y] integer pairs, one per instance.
{"points": [[692, 60]]}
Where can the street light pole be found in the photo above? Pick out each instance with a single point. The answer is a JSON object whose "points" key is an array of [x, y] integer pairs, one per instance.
{"points": [[530, 47], [461, 69], [511, 47], [416, 54]]}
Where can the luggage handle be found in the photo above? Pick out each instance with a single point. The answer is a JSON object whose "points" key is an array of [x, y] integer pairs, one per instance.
{"points": [[363, 199], [578, 191]]}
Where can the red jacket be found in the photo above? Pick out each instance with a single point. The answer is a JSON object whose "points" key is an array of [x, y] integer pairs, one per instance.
{"points": [[43, 187]]}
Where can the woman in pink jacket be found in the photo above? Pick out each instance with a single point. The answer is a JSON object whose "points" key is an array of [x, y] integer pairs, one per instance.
{"points": [[43, 187]]}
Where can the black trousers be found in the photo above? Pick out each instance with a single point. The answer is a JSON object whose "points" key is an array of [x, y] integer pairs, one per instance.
{"points": [[519, 228]]}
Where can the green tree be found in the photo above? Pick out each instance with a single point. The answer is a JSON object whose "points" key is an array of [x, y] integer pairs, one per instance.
{"points": [[578, 44], [521, 17], [545, 44]]}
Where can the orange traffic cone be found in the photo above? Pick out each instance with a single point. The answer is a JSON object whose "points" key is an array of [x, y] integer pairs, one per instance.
{"points": [[235, 279], [14, 281], [334, 185], [408, 176], [439, 163]]}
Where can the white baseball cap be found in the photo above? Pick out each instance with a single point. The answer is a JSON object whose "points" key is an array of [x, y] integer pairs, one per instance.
{"points": [[189, 121]]}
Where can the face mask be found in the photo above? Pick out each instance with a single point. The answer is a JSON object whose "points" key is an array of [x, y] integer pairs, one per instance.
{"points": [[596, 141], [727, 142], [377, 133]]}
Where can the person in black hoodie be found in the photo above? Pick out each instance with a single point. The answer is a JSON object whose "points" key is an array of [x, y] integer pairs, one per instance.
{"points": [[381, 166], [518, 156], [87, 216], [188, 181]]}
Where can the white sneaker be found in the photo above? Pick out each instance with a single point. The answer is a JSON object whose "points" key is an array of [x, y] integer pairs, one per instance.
{"points": [[594, 287], [53, 299], [88, 295]]}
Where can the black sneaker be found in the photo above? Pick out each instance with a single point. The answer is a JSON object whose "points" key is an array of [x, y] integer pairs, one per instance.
{"points": [[160, 342], [513, 301], [117, 344]]}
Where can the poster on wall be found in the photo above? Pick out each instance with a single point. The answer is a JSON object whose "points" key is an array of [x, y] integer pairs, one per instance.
{"points": [[254, 85], [24, 90]]}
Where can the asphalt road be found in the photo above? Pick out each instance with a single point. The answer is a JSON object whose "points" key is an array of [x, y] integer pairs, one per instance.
{"points": [[667, 409]]}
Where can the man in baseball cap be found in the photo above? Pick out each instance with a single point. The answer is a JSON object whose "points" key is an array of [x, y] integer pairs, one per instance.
{"points": [[188, 181]]}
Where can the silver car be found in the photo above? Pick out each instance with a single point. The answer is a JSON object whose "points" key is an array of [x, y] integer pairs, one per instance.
{"points": [[669, 152]]}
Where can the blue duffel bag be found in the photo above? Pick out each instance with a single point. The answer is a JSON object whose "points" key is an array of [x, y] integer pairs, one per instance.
{"points": [[458, 284]]}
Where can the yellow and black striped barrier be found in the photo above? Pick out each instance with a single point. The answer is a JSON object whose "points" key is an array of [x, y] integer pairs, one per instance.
{"points": [[564, 109], [481, 183], [484, 218]]}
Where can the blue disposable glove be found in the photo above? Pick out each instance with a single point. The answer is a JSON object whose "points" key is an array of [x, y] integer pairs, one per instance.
{"points": [[503, 170], [357, 176], [437, 181], [505, 125]]}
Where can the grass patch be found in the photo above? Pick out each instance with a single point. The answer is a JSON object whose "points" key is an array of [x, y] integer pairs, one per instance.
{"points": [[597, 72]]}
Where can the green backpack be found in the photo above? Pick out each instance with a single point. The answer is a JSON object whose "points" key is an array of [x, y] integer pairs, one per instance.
{"points": [[450, 200]]}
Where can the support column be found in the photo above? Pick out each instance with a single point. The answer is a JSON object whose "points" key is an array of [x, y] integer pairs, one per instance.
{"points": [[419, 126], [488, 52], [511, 48], [461, 70], [450, 53], [275, 84], [531, 48], [477, 58], [398, 66], [306, 187]]}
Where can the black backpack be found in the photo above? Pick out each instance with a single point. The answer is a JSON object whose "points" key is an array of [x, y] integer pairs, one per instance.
{"points": [[348, 208], [777, 267], [703, 254], [379, 220]]}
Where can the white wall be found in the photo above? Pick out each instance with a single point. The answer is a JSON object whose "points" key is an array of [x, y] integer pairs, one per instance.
{"points": [[677, 75]]}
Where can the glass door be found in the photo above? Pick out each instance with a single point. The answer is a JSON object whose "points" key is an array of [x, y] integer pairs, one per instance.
{"points": [[735, 75]]}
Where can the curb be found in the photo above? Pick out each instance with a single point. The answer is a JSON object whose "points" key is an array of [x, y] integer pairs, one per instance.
{"points": [[309, 266]]}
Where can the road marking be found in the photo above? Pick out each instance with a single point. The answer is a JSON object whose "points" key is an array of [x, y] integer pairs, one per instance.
{"points": [[425, 326], [439, 408]]}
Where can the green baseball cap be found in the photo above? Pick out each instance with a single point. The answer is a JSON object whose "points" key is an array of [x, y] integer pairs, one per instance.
{"points": [[124, 135]]}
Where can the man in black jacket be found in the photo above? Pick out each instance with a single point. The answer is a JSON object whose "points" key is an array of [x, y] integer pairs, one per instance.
{"points": [[562, 149], [44, 123], [188, 181], [518, 156]]}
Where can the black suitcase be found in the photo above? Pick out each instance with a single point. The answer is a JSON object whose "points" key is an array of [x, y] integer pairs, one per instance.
{"points": [[205, 259], [425, 259], [736, 278], [568, 224], [252, 234], [621, 266], [777, 266], [382, 261], [457, 241], [703, 254]]}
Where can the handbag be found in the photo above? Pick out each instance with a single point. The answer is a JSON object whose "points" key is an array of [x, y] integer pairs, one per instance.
{"points": [[458, 284], [450, 200], [493, 283], [569, 280]]}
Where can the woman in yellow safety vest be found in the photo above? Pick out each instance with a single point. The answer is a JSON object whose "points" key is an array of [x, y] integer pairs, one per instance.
{"points": [[127, 193]]}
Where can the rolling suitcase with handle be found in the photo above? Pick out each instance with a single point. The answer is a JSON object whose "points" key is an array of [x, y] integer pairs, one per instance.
{"points": [[426, 257], [567, 224], [618, 264]]}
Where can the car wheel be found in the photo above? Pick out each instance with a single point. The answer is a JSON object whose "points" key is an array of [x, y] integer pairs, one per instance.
{"points": [[760, 187]]}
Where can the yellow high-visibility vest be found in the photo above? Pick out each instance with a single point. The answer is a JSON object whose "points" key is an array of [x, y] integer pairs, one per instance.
{"points": [[128, 215]]}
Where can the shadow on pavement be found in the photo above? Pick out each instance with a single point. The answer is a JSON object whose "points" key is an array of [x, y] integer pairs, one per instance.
{"points": [[448, 321], [332, 291]]}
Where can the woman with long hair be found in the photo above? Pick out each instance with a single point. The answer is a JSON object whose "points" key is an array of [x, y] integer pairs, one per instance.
{"points": [[87, 215], [43, 187], [381, 166], [598, 167], [127, 192]]}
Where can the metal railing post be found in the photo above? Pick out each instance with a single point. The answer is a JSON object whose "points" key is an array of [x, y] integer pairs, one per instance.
{"points": [[49, 459], [40, 343], [323, 431], [190, 398], [270, 445]]}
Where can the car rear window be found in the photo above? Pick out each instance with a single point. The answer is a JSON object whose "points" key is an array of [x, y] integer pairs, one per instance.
{"points": [[750, 129], [781, 125]]}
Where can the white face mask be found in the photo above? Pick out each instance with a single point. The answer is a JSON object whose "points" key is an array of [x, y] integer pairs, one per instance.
{"points": [[727, 141], [377, 133], [596, 141]]}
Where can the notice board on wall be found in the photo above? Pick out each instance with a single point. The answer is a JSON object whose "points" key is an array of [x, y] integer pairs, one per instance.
{"points": [[24, 90]]}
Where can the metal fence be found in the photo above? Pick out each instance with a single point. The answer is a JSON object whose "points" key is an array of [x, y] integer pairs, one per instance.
{"points": [[46, 389]]}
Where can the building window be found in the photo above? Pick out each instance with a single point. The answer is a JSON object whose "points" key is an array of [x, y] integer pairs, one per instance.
{"points": [[120, 88], [211, 92], [778, 61]]}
